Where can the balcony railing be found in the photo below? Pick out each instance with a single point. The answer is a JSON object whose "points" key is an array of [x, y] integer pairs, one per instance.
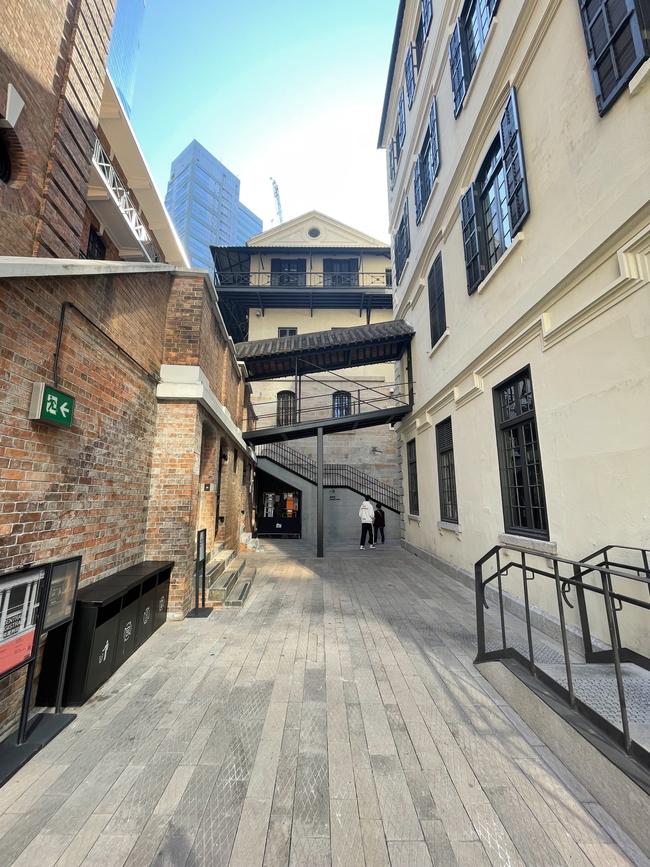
{"points": [[118, 191], [303, 280]]}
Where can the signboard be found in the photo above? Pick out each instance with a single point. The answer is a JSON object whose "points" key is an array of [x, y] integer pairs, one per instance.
{"points": [[51, 405], [63, 592], [20, 597]]}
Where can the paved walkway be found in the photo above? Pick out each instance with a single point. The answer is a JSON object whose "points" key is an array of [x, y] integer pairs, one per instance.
{"points": [[336, 719]]}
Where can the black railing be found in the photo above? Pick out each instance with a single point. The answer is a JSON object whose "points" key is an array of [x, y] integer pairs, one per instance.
{"points": [[612, 568], [303, 280], [334, 475], [327, 404]]}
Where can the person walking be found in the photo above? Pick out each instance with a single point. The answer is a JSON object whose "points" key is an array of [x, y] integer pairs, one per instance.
{"points": [[367, 515], [379, 523]]}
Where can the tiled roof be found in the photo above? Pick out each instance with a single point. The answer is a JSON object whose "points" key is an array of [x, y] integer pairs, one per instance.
{"points": [[335, 338]]}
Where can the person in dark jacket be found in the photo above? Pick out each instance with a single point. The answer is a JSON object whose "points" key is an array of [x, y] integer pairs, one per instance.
{"points": [[379, 523]]}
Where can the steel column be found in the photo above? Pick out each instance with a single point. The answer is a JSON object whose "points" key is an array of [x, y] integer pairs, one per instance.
{"points": [[319, 495]]}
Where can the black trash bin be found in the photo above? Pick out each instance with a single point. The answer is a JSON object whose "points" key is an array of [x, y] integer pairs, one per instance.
{"points": [[113, 617], [162, 599]]}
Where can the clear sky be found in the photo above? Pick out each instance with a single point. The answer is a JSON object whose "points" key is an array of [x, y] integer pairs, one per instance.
{"points": [[286, 88]]}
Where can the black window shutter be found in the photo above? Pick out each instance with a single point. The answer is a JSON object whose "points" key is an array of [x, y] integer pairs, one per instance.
{"points": [[436, 288], [435, 147], [401, 119], [427, 15], [409, 73], [513, 163], [391, 161], [417, 190], [473, 239], [458, 66], [618, 40]]}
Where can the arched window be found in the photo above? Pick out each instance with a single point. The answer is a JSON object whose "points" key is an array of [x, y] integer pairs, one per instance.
{"points": [[286, 408], [341, 404]]}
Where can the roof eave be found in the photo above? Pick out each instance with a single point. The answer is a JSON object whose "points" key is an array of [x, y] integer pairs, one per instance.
{"points": [[391, 71]]}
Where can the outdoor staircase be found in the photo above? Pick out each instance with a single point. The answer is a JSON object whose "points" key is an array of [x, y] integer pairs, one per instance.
{"points": [[230, 582], [334, 475]]}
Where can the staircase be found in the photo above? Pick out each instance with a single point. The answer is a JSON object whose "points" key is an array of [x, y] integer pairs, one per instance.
{"points": [[334, 475], [229, 581]]}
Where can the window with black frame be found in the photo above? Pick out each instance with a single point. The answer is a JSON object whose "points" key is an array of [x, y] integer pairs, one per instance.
{"points": [[617, 33], [96, 248], [286, 408], [412, 467], [436, 287], [288, 272], [340, 272], [402, 242], [341, 404], [289, 331], [496, 205], [446, 472], [520, 461], [427, 164], [467, 43]]}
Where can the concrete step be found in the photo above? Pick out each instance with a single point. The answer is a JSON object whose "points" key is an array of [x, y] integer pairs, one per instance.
{"points": [[239, 592], [217, 564], [220, 588]]}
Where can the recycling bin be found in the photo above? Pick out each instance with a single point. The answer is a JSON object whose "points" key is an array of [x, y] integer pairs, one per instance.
{"points": [[113, 617]]}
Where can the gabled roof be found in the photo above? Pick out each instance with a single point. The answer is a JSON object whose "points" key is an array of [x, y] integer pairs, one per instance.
{"points": [[332, 233]]}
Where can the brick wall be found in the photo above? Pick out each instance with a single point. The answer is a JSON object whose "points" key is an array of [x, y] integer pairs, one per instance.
{"points": [[54, 54]]}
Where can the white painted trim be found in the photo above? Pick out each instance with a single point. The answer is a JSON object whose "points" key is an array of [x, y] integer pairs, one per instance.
{"points": [[485, 282], [187, 382], [640, 79], [540, 546], [439, 342], [415, 518], [452, 528], [34, 266]]}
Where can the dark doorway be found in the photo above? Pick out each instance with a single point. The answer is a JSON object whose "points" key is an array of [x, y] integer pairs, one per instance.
{"points": [[279, 508]]}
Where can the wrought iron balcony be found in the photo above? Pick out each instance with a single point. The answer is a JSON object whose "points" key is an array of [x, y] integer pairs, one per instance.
{"points": [[119, 193], [371, 281]]}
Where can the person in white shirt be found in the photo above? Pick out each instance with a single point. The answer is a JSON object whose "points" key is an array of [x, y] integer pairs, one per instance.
{"points": [[367, 515]]}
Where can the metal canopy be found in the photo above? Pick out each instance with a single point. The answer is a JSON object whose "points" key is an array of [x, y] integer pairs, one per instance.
{"points": [[335, 349]]}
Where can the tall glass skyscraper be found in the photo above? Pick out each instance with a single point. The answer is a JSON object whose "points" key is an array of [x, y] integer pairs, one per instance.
{"points": [[124, 47], [203, 202]]}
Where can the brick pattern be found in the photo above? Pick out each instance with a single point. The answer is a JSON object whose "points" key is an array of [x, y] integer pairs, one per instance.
{"points": [[124, 483]]}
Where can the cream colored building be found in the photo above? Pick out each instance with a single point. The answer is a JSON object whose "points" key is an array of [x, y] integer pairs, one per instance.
{"points": [[313, 274], [519, 187]]}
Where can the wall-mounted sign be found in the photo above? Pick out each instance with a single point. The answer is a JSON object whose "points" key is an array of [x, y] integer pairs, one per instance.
{"points": [[51, 405], [20, 597], [63, 592]]}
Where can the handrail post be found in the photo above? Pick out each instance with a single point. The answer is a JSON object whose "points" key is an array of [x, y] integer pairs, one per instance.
{"points": [[503, 621], [480, 613], [604, 577], [565, 643], [529, 631]]}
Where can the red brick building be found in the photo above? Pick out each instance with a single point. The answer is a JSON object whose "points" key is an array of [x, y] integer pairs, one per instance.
{"points": [[155, 451]]}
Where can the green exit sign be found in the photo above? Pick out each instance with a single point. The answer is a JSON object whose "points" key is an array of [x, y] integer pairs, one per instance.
{"points": [[51, 405]]}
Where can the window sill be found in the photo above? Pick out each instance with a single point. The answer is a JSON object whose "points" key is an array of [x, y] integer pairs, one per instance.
{"points": [[640, 79], [519, 237], [538, 545], [452, 528], [439, 342], [479, 64], [415, 518]]}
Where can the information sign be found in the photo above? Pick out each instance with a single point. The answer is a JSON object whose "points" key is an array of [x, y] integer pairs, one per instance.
{"points": [[63, 592], [20, 597]]}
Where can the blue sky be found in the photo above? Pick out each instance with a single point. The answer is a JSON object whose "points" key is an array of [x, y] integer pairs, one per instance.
{"points": [[286, 88]]}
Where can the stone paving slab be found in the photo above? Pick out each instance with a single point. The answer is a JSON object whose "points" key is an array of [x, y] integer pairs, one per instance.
{"points": [[336, 720]]}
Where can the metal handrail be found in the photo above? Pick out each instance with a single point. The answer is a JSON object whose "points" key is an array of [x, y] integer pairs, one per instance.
{"points": [[334, 475], [557, 571], [302, 280]]}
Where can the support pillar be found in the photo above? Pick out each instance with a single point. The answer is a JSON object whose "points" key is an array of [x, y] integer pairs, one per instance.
{"points": [[319, 495]]}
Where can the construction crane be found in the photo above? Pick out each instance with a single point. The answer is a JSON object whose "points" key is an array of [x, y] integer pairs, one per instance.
{"points": [[278, 204]]}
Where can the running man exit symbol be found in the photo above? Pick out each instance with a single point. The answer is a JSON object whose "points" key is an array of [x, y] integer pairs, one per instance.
{"points": [[51, 405]]}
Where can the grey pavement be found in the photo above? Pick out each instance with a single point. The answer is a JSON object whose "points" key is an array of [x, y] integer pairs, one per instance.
{"points": [[337, 719]]}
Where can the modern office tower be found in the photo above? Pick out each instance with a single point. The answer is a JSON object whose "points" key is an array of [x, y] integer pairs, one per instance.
{"points": [[124, 48], [203, 201]]}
